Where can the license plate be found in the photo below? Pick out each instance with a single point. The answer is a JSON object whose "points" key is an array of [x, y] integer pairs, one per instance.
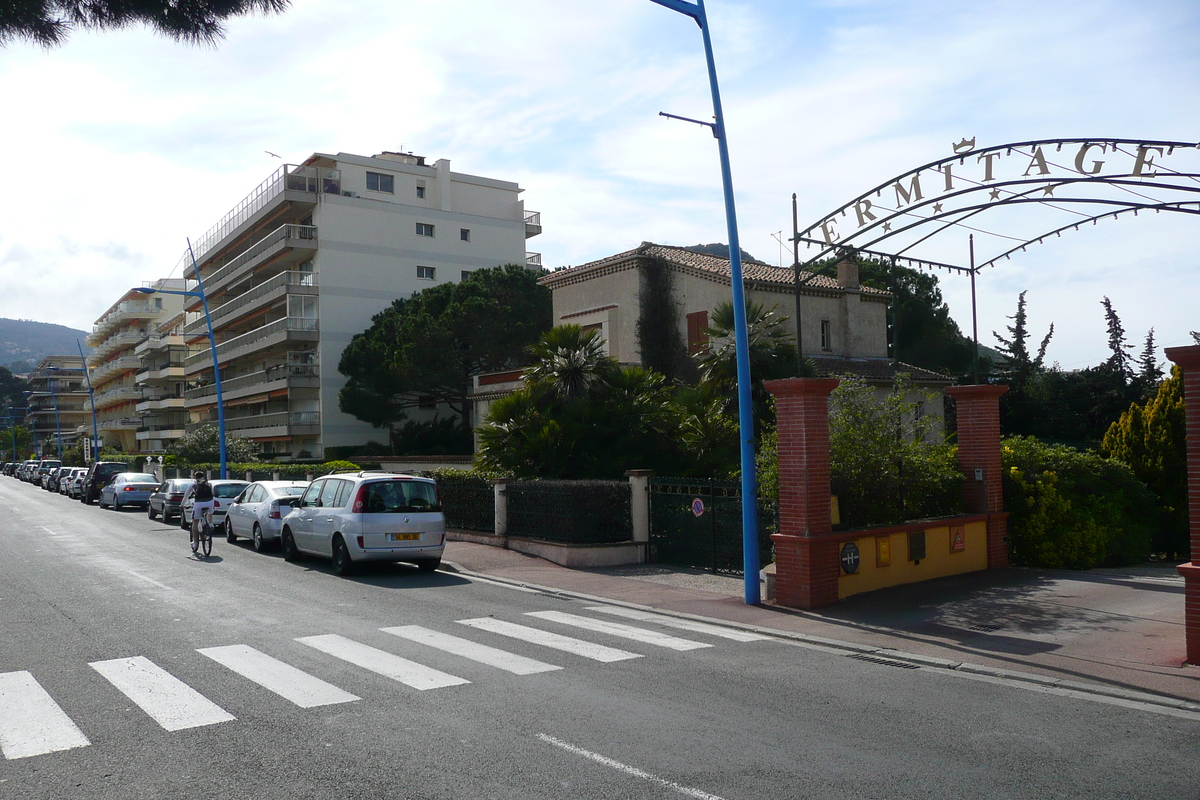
{"points": [[403, 537]]}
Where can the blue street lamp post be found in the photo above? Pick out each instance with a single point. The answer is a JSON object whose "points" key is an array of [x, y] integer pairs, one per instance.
{"points": [[750, 563], [95, 448], [212, 343], [12, 423]]}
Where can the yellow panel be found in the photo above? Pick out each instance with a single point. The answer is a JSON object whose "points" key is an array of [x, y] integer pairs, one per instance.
{"points": [[939, 560]]}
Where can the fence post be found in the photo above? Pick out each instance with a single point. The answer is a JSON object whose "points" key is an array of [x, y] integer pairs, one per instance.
{"points": [[275, 475], [639, 509], [249, 476], [500, 493]]}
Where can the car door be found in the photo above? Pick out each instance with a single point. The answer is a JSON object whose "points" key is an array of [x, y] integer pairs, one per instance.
{"points": [[300, 522], [325, 522], [239, 517]]}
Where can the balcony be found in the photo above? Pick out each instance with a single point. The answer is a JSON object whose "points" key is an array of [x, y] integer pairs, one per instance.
{"points": [[260, 296], [122, 394], [298, 240], [283, 423], [155, 342], [126, 311], [533, 260], [117, 366], [115, 343], [533, 223], [293, 376], [122, 424], [287, 329], [160, 432], [288, 178], [166, 372], [160, 403]]}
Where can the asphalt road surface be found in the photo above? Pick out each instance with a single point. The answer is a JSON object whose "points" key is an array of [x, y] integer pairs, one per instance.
{"points": [[131, 669]]}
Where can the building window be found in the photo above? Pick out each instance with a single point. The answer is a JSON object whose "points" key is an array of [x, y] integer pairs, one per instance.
{"points": [[424, 229], [464, 234], [377, 182], [425, 272], [420, 191], [465, 274], [826, 335], [697, 339]]}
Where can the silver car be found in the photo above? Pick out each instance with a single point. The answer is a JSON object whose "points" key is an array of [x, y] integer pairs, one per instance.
{"points": [[224, 493], [128, 489], [258, 512], [367, 516]]}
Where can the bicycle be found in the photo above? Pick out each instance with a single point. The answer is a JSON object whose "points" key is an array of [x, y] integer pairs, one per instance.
{"points": [[204, 535]]}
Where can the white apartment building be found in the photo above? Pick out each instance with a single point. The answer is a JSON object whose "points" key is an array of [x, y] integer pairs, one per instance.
{"points": [[114, 362], [58, 403], [300, 266], [161, 380]]}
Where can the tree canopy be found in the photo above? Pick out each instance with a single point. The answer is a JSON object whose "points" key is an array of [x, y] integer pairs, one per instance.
{"points": [[423, 349], [50, 22], [203, 444]]}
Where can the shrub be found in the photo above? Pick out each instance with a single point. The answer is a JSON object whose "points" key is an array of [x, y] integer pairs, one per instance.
{"points": [[1073, 509]]}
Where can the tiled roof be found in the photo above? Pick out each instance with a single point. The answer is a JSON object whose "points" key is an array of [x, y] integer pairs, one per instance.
{"points": [[874, 369], [718, 266]]}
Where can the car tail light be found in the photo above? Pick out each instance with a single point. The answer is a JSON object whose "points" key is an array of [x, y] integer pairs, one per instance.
{"points": [[216, 503], [130, 489], [360, 499], [273, 512]]}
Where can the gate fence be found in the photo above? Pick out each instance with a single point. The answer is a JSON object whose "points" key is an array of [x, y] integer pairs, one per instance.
{"points": [[706, 534], [576, 512]]}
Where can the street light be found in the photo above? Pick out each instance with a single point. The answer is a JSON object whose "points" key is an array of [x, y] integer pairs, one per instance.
{"points": [[750, 564], [95, 448], [212, 343]]}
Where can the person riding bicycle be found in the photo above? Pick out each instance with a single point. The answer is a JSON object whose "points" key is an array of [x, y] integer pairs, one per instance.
{"points": [[202, 494]]}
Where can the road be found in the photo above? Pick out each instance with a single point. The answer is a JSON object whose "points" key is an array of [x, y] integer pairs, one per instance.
{"points": [[131, 669]]}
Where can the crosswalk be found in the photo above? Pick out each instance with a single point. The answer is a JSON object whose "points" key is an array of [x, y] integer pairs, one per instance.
{"points": [[32, 723]]}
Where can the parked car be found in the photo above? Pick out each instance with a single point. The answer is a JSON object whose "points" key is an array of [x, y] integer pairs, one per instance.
{"points": [[27, 469], [224, 492], [98, 474], [43, 467], [66, 477], [75, 487], [167, 499], [49, 480], [128, 489], [257, 513], [367, 516]]}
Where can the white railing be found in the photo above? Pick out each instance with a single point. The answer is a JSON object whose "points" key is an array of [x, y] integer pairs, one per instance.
{"points": [[533, 259], [248, 339], [533, 223], [254, 379], [290, 233], [290, 278], [288, 177], [276, 420]]}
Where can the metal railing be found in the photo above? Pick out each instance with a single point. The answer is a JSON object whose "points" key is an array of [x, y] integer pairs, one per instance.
{"points": [[290, 278], [533, 223], [113, 367], [276, 420], [246, 340], [533, 259], [260, 378], [124, 422], [288, 177], [292, 233], [580, 512]]}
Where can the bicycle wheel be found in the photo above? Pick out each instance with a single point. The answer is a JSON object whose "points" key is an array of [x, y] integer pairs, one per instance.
{"points": [[206, 541]]}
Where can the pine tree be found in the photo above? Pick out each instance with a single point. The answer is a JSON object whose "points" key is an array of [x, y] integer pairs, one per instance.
{"points": [[1020, 365], [1149, 372], [1119, 361]]}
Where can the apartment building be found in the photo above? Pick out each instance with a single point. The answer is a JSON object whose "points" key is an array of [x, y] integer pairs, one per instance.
{"points": [[114, 363], [300, 266], [58, 403], [161, 380]]}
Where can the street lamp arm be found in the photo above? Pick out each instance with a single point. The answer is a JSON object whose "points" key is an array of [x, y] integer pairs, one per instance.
{"points": [[683, 7]]}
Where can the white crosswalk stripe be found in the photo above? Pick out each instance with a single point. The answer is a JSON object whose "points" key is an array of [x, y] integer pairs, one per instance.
{"points": [[31, 723], [410, 673], [169, 701], [617, 629], [274, 675], [596, 652], [493, 657], [681, 624]]}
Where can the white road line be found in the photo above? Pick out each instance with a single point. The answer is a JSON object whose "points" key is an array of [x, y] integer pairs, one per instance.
{"points": [[148, 580], [31, 723], [596, 652], [169, 701], [274, 675], [617, 629], [682, 624], [410, 673], [493, 657], [628, 770]]}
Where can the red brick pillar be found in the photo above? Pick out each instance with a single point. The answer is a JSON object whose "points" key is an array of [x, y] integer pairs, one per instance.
{"points": [[979, 460], [806, 565], [1188, 359]]}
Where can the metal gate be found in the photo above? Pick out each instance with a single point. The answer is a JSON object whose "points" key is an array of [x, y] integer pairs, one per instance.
{"points": [[696, 522]]}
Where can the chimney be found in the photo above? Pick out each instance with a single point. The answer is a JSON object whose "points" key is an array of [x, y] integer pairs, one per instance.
{"points": [[847, 274]]}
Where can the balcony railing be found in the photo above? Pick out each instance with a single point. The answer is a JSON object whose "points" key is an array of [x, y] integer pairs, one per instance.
{"points": [[117, 365], [254, 379], [533, 259], [291, 278], [276, 420], [129, 309], [294, 235], [533, 223], [288, 177], [123, 423], [226, 349], [118, 341]]}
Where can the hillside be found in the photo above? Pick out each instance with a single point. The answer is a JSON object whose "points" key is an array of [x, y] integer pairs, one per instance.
{"points": [[23, 341]]}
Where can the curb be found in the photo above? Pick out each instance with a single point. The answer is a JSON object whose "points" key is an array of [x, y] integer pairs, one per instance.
{"points": [[853, 648]]}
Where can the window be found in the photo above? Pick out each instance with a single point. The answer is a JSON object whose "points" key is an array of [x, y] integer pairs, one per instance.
{"points": [[343, 495], [826, 335], [697, 339], [464, 234], [420, 191], [329, 493], [314, 491], [424, 229], [465, 274], [377, 182], [426, 273]]}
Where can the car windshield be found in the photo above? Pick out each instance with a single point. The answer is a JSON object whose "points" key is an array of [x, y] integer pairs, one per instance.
{"points": [[139, 477], [391, 497], [228, 489]]}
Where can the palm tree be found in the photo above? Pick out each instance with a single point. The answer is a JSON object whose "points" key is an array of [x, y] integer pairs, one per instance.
{"points": [[569, 362]]}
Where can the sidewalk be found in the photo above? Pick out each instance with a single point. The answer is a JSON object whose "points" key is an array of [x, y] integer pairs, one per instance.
{"points": [[1116, 631]]}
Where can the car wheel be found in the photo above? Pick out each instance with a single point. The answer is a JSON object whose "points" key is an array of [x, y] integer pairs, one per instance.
{"points": [[290, 551], [260, 544], [229, 534], [150, 510], [429, 564], [342, 565]]}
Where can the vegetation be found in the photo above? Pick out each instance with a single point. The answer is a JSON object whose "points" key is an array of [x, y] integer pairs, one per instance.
{"points": [[1073, 509], [12, 389], [423, 350], [204, 444], [50, 22]]}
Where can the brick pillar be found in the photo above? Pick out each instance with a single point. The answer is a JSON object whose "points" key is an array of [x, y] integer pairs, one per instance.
{"points": [[806, 565], [1188, 359], [979, 460]]}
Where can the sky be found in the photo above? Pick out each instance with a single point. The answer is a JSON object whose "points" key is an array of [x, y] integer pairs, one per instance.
{"points": [[119, 145]]}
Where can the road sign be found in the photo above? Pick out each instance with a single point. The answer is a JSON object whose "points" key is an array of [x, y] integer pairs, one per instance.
{"points": [[850, 558]]}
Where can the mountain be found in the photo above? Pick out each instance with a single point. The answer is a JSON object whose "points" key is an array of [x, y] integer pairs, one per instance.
{"points": [[720, 250], [23, 343]]}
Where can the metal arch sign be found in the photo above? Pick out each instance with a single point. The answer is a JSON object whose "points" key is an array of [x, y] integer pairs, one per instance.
{"points": [[943, 193]]}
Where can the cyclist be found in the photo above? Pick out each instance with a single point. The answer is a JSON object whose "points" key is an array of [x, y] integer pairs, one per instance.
{"points": [[202, 506]]}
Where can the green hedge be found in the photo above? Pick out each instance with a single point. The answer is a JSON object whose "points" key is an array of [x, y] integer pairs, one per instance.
{"points": [[288, 470]]}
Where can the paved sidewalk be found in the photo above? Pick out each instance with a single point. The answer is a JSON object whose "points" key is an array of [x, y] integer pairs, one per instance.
{"points": [[1117, 632]]}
